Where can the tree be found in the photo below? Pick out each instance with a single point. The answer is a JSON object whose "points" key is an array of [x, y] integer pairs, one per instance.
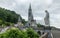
{"points": [[10, 16], [1, 22], [14, 33], [23, 21], [31, 33], [40, 25]]}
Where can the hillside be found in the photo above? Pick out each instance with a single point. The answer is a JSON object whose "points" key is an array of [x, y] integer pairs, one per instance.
{"points": [[8, 16]]}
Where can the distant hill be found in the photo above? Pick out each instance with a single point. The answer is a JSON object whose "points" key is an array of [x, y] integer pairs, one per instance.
{"points": [[47, 27], [9, 16], [54, 28]]}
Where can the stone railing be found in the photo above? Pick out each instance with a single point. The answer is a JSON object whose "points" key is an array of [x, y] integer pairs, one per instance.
{"points": [[44, 35]]}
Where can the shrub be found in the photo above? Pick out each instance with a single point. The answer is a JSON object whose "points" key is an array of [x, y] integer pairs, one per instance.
{"points": [[16, 33], [1, 22], [31, 33]]}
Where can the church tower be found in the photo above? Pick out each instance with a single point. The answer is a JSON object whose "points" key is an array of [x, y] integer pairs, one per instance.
{"points": [[31, 21], [30, 16], [19, 21]]}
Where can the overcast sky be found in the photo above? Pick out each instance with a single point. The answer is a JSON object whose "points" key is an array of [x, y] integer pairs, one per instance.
{"points": [[38, 9]]}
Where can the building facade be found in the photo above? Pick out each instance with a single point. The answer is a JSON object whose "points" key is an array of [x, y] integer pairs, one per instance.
{"points": [[31, 21]]}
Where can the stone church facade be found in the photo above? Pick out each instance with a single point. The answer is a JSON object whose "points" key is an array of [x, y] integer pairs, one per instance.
{"points": [[31, 21]]}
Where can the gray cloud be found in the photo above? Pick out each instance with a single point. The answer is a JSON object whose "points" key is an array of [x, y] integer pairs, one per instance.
{"points": [[38, 8]]}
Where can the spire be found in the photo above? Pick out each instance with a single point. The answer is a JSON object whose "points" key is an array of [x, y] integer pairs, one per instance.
{"points": [[30, 15], [30, 7], [19, 19]]}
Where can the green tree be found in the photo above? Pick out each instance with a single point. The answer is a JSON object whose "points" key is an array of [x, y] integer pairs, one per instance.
{"points": [[40, 25], [31, 33], [10, 16], [1, 22], [14, 33]]}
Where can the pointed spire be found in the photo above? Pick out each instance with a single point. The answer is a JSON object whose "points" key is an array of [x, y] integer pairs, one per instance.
{"points": [[19, 19], [30, 7]]}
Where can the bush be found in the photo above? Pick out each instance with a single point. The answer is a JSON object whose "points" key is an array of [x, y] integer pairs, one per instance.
{"points": [[1, 22], [16, 33], [31, 33], [7, 23]]}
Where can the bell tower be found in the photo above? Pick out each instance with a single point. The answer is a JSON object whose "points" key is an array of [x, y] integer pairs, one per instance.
{"points": [[31, 21], [30, 16], [19, 21]]}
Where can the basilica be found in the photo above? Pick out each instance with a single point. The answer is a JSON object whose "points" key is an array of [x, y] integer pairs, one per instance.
{"points": [[32, 23]]}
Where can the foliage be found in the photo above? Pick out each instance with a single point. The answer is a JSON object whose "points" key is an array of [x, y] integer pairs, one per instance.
{"points": [[39, 25], [31, 33], [1, 22], [8, 16], [16, 33], [23, 21]]}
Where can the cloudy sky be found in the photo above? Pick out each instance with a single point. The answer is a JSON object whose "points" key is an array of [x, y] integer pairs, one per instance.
{"points": [[38, 9]]}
